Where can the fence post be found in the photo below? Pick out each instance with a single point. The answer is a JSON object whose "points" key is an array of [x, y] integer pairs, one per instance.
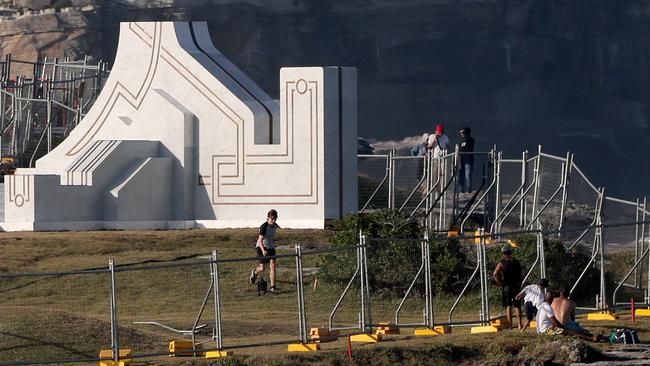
{"points": [[302, 318], [49, 124], [536, 182], [365, 314], [643, 225], [601, 251], [115, 337], [427, 201], [364, 262], [217, 300], [497, 193], [391, 179], [542, 255], [427, 278], [565, 182], [524, 181]]}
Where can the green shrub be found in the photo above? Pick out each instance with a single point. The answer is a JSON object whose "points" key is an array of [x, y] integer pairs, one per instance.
{"points": [[392, 264]]}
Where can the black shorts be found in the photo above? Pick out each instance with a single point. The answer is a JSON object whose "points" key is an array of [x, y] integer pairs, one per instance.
{"points": [[508, 294], [269, 252], [531, 310]]}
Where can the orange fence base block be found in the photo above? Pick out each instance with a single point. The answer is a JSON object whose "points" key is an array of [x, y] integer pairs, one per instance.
{"points": [[387, 328], [217, 354], [365, 338], [605, 315], [303, 347], [441, 329], [642, 312], [484, 329]]}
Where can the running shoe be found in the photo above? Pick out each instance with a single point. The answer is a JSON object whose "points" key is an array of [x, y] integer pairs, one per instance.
{"points": [[253, 277]]}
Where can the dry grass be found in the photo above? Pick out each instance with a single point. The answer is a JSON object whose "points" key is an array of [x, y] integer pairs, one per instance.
{"points": [[67, 317]]}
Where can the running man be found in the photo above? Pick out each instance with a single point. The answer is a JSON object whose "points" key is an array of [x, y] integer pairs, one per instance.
{"points": [[265, 247]]}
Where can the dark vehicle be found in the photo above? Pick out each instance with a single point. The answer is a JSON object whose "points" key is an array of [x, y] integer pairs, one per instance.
{"points": [[7, 165], [364, 147]]}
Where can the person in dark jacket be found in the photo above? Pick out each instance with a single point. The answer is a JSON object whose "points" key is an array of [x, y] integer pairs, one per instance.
{"points": [[466, 159], [508, 276]]}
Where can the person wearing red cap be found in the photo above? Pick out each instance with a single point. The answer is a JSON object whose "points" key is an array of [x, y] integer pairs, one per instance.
{"points": [[438, 141]]}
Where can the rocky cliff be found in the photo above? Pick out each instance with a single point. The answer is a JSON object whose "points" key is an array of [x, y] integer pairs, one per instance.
{"points": [[567, 74]]}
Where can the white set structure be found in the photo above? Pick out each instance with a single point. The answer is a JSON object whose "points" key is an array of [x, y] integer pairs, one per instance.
{"points": [[181, 138]]}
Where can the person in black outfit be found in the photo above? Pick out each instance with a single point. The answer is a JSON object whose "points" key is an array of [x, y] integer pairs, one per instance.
{"points": [[508, 276], [265, 248], [466, 160]]}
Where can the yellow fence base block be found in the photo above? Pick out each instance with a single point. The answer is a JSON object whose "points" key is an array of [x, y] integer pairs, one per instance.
{"points": [[322, 331], [387, 328], [484, 329], [500, 323], [114, 363], [533, 324], [602, 316], [432, 332], [642, 312], [322, 335], [303, 347], [365, 338], [124, 353], [217, 354], [182, 346]]}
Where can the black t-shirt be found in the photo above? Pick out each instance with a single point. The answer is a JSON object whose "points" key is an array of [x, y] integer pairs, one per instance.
{"points": [[466, 146], [511, 272], [268, 231]]}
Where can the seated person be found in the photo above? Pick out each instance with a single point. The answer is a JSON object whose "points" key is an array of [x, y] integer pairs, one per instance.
{"points": [[565, 311], [533, 296], [548, 324]]}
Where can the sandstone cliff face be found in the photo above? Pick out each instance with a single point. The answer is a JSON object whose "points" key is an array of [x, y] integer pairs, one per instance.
{"points": [[567, 74]]}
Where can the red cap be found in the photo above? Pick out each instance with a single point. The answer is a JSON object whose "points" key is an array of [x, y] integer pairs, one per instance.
{"points": [[440, 129]]}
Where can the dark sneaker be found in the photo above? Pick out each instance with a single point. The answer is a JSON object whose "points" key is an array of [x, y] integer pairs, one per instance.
{"points": [[253, 277]]}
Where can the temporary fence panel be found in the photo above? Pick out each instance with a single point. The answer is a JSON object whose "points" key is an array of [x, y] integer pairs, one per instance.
{"points": [[394, 269], [623, 243], [344, 274], [582, 198], [508, 196], [549, 192], [409, 181], [43, 315], [175, 294], [251, 315], [373, 174]]}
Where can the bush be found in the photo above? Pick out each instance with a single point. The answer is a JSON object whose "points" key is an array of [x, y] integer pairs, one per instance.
{"points": [[392, 264]]}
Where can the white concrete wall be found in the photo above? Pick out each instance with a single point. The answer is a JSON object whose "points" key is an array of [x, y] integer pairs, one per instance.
{"points": [[180, 137]]}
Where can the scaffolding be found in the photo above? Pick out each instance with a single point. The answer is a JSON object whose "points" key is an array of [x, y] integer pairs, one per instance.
{"points": [[38, 110]]}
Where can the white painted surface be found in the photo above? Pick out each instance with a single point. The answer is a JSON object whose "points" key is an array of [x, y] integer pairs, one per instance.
{"points": [[181, 138]]}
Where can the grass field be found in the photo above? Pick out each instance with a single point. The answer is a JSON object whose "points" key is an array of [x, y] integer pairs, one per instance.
{"points": [[59, 317]]}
